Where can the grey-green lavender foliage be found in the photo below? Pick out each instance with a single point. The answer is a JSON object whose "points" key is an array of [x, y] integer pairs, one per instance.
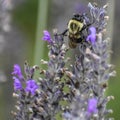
{"points": [[86, 79]]}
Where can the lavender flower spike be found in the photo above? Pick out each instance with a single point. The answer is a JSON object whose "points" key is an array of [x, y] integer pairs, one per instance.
{"points": [[17, 84], [47, 36], [92, 36], [92, 106], [31, 86], [17, 71]]}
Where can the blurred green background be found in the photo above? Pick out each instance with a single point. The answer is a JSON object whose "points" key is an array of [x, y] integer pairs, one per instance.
{"points": [[29, 19]]}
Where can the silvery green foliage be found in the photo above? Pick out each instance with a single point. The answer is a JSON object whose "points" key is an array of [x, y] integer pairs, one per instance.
{"points": [[86, 78]]}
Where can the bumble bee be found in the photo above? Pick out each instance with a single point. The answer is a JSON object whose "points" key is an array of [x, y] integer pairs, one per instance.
{"points": [[75, 29]]}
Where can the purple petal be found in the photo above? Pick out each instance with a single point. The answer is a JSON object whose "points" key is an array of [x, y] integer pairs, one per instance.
{"points": [[46, 36], [31, 86], [17, 84], [92, 30], [92, 106], [17, 71], [92, 36]]}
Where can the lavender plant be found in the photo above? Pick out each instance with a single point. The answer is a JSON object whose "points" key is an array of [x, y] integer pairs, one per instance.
{"points": [[85, 80], [90, 73]]}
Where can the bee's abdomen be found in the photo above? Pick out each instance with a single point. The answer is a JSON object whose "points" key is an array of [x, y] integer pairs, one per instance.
{"points": [[74, 36], [72, 44]]}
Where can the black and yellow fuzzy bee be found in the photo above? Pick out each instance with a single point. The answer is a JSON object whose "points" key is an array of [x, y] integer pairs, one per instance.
{"points": [[75, 29]]}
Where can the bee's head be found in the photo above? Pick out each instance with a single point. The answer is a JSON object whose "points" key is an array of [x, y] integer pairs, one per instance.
{"points": [[78, 17]]}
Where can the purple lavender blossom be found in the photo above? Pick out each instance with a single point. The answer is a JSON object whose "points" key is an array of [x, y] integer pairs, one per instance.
{"points": [[17, 84], [92, 106], [31, 86], [17, 71], [47, 36], [92, 36]]}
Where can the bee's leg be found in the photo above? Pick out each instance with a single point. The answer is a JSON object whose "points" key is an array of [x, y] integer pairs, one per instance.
{"points": [[79, 40], [86, 44], [64, 32], [86, 27]]}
